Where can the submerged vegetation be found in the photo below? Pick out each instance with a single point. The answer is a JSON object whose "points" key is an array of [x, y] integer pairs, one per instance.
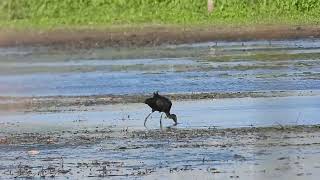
{"points": [[53, 13]]}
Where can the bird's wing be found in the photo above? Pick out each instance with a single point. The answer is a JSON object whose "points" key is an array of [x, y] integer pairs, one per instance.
{"points": [[160, 103], [164, 105]]}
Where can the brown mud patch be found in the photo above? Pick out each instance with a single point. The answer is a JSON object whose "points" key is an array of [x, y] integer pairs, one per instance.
{"points": [[150, 35], [223, 137]]}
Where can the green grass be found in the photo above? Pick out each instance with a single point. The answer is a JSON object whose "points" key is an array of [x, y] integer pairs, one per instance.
{"points": [[106, 13]]}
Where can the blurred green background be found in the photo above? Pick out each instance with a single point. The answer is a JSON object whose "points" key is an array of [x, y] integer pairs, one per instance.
{"points": [[60, 13]]}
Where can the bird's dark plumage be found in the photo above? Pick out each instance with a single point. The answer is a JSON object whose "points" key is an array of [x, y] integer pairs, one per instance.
{"points": [[161, 104]]}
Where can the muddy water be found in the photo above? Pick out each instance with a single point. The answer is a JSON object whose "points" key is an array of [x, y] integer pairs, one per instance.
{"points": [[208, 67]]}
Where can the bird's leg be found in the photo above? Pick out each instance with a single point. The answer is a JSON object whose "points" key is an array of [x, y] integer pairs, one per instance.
{"points": [[161, 120], [146, 119]]}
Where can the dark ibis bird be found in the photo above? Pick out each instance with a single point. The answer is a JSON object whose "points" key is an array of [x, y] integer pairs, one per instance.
{"points": [[161, 104]]}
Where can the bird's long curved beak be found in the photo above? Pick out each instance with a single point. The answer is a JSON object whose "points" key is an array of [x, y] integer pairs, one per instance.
{"points": [[175, 123]]}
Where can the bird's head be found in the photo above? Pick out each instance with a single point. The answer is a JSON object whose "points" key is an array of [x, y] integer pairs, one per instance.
{"points": [[174, 118], [155, 94]]}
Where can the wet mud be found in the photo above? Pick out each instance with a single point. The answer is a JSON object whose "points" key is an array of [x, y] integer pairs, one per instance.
{"points": [[150, 36], [278, 152]]}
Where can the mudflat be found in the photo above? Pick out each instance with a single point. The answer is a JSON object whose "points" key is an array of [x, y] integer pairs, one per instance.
{"points": [[151, 35], [278, 152]]}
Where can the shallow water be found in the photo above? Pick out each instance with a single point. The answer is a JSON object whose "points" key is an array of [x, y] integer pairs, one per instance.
{"points": [[206, 67], [220, 113]]}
